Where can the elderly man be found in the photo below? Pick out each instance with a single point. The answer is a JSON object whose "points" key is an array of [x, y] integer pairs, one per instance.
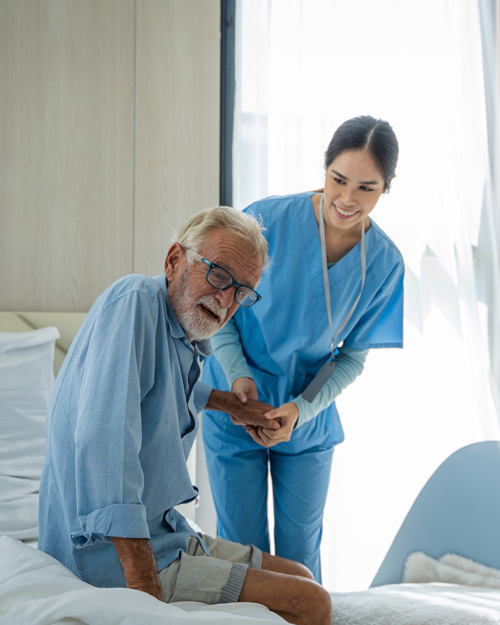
{"points": [[123, 418]]}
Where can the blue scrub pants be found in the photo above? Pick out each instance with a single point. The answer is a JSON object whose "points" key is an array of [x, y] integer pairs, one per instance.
{"points": [[238, 472]]}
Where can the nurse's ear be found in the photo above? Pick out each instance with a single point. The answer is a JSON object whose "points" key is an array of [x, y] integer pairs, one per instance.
{"points": [[175, 261]]}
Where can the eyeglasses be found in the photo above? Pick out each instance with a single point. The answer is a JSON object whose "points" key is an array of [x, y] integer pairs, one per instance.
{"points": [[222, 279]]}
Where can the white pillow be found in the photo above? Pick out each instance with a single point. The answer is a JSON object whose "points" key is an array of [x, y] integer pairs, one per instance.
{"points": [[450, 569], [26, 381]]}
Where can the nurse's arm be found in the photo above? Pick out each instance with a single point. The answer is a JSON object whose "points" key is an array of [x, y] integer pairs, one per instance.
{"points": [[229, 353]]}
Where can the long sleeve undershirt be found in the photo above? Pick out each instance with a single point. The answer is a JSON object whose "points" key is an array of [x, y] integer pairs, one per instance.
{"points": [[349, 364]]}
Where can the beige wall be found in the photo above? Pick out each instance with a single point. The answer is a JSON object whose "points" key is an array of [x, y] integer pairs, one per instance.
{"points": [[109, 140]]}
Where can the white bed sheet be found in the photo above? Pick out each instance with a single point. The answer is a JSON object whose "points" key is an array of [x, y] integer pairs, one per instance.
{"points": [[36, 589]]}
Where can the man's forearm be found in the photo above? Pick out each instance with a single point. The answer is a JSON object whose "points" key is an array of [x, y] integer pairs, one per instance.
{"points": [[251, 413], [139, 565]]}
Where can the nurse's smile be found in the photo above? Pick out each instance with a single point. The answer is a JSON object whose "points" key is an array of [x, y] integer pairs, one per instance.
{"points": [[342, 213], [353, 186]]}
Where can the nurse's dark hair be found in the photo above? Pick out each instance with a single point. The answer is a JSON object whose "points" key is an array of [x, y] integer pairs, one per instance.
{"points": [[367, 133], [245, 226]]}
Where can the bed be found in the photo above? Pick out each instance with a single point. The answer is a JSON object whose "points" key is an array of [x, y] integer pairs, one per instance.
{"points": [[36, 589]]}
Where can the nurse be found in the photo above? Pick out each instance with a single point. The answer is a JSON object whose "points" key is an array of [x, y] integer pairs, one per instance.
{"points": [[332, 292]]}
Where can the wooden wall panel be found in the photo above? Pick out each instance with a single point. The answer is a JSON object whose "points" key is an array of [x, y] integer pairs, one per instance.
{"points": [[109, 139], [177, 120], [66, 150]]}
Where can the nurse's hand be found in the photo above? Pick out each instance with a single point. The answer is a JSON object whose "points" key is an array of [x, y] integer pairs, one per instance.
{"points": [[289, 412], [287, 415], [244, 388]]}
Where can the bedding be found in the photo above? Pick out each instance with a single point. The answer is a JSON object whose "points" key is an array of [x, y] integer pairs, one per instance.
{"points": [[418, 604], [450, 591], [36, 589], [451, 568], [26, 381]]}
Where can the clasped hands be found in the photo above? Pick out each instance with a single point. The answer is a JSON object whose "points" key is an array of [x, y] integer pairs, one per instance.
{"points": [[266, 425]]}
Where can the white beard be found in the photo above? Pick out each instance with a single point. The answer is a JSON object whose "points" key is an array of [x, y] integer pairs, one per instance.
{"points": [[192, 320]]}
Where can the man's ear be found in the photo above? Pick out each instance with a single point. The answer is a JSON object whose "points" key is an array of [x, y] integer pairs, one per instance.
{"points": [[174, 261]]}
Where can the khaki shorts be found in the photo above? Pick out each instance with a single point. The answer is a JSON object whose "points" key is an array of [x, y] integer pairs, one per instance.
{"points": [[194, 576]]}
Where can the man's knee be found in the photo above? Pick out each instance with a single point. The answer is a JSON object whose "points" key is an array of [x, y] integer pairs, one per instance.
{"points": [[285, 566], [311, 603], [297, 599], [323, 604]]}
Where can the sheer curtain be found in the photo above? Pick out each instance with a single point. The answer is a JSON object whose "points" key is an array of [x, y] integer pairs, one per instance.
{"points": [[488, 272], [302, 68]]}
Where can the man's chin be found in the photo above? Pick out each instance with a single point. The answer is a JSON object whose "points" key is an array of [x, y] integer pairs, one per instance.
{"points": [[202, 334]]}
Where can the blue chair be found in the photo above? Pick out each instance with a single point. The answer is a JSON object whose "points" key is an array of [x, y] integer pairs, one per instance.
{"points": [[457, 511]]}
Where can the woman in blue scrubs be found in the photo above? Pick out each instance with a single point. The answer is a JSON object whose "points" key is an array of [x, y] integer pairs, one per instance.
{"points": [[333, 290]]}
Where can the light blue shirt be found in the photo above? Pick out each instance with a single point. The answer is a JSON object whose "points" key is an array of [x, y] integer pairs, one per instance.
{"points": [[120, 426]]}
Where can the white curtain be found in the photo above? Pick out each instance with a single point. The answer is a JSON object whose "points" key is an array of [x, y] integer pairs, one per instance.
{"points": [[488, 271], [302, 68]]}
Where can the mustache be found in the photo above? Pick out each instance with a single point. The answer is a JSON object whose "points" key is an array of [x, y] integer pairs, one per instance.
{"points": [[213, 305]]}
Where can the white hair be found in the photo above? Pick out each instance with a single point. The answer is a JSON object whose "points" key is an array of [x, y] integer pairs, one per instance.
{"points": [[195, 231]]}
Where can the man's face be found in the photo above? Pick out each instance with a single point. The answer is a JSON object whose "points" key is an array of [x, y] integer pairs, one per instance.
{"points": [[200, 308]]}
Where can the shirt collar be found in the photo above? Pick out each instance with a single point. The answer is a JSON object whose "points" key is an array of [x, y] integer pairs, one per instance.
{"points": [[204, 348]]}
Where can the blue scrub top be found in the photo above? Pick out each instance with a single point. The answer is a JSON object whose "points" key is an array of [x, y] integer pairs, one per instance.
{"points": [[286, 336]]}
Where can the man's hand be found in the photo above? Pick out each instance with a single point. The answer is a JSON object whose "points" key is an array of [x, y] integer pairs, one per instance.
{"points": [[250, 413], [287, 415], [139, 565]]}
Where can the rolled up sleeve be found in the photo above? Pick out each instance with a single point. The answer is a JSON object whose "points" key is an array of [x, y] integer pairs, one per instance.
{"points": [[122, 520], [201, 395]]}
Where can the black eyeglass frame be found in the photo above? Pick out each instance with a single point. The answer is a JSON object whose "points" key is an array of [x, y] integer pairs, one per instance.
{"points": [[237, 285]]}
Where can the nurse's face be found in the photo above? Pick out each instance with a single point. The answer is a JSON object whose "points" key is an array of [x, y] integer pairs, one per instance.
{"points": [[353, 186], [200, 308]]}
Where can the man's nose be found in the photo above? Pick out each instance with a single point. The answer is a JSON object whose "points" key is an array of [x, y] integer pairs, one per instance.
{"points": [[225, 297]]}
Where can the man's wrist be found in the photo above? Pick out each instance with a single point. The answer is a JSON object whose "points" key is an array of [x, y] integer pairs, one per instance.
{"points": [[139, 564], [222, 401]]}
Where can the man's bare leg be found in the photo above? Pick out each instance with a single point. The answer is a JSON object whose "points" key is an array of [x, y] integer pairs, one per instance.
{"points": [[287, 588], [283, 565]]}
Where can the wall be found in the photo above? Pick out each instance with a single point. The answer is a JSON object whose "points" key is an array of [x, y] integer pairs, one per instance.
{"points": [[109, 140]]}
